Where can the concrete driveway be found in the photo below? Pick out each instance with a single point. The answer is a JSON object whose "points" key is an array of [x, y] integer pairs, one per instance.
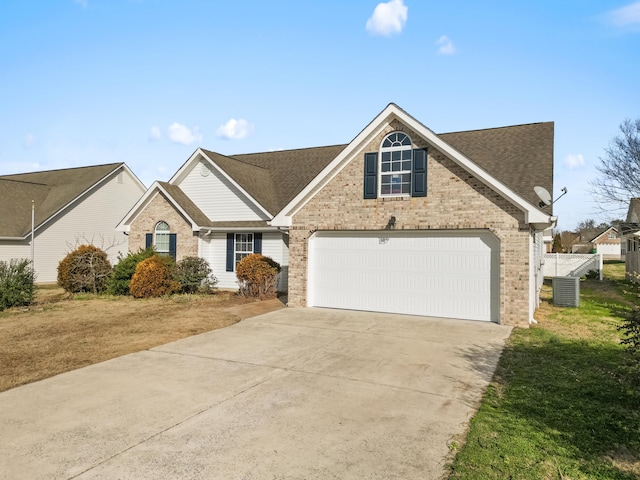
{"points": [[292, 394]]}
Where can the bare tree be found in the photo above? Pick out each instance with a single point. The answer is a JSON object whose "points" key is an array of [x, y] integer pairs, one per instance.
{"points": [[619, 169]]}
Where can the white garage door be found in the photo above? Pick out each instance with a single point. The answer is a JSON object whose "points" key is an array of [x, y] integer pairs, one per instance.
{"points": [[437, 274]]}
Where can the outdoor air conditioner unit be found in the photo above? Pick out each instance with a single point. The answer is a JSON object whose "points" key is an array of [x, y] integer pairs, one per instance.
{"points": [[566, 291]]}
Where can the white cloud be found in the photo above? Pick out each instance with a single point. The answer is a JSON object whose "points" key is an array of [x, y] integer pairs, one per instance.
{"points": [[626, 16], [29, 140], [388, 18], [155, 133], [82, 3], [235, 129], [573, 161], [182, 134], [445, 46]]}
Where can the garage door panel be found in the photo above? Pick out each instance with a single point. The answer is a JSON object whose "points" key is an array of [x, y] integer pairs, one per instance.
{"points": [[405, 272]]}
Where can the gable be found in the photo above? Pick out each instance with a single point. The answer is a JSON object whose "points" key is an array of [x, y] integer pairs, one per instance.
{"points": [[216, 196], [393, 118]]}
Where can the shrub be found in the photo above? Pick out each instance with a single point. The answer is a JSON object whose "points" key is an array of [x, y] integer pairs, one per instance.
{"points": [[154, 277], [86, 269], [17, 286], [194, 274], [631, 330], [124, 270], [257, 276]]}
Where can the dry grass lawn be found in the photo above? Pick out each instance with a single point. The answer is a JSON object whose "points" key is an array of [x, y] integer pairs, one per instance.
{"points": [[60, 332]]}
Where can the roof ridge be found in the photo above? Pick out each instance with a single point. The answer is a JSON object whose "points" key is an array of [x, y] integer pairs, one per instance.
{"points": [[495, 128], [24, 182], [290, 149], [58, 170]]}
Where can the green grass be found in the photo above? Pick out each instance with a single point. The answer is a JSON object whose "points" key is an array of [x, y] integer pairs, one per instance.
{"points": [[562, 404]]}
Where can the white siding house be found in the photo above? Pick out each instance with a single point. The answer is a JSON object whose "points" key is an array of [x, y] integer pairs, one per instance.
{"points": [[72, 207]]}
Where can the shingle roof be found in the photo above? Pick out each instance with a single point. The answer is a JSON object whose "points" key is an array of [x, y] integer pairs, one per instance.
{"points": [[520, 156], [186, 204], [51, 190], [273, 179]]}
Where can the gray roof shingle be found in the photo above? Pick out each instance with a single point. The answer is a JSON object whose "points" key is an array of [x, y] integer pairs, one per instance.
{"points": [[519, 156], [50, 190]]}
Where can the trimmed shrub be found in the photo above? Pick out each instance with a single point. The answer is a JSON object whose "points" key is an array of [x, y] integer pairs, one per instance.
{"points": [[257, 276], [86, 269], [124, 270], [17, 286], [194, 274], [154, 277]]}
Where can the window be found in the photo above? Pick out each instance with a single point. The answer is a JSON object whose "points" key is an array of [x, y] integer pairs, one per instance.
{"points": [[612, 235], [240, 245], [397, 170], [162, 238], [244, 246], [395, 165]]}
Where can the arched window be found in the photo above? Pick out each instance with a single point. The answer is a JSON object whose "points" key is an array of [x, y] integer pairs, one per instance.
{"points": [[395, 164], [162, 238]]}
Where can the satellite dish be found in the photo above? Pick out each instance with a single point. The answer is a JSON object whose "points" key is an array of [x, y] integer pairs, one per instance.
{"points": [[544, 196]]}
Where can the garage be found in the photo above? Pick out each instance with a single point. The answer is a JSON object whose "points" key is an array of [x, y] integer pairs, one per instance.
{"points": [[431, 273]]}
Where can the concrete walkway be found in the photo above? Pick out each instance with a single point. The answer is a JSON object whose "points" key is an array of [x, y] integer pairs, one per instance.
{"points": [[291, 394]]}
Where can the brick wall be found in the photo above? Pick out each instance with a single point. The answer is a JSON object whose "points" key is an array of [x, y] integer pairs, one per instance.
{"points": [[160, 209], [455, 200]]}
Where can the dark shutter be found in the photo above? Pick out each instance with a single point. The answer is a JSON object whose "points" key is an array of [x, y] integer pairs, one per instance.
{"points": [[370, 175], [230, 251], [257, 243], [148, 240], [173, 241], [419, 173]]}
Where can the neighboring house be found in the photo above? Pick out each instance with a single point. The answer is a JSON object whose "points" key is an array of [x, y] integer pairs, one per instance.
{"points": [[594, 240], [399, 220], [631, 239], [71, 207]]}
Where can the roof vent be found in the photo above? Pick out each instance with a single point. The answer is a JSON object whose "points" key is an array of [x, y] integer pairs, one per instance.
{"points": [[566, 291]]}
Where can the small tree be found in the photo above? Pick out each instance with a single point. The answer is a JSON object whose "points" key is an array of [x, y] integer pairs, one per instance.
{"points": [[557, 244], [86, 269], [258, 276], [194, 274], [17, 286], [124, 270], [154, 277], [619, 169]]}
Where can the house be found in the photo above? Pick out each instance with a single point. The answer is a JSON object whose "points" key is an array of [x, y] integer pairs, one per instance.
{"points": [[631, 238], [398, 220], [596, 240], [70, 207]]}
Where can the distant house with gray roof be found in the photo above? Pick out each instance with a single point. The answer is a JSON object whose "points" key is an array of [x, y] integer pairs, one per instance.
{"points": [[72, 206]]}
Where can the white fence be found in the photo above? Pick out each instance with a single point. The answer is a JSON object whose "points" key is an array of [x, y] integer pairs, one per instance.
{"points": [[571, 264]]}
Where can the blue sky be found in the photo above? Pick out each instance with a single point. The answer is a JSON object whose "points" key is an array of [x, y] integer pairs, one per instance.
{"points": [[146, 82]]}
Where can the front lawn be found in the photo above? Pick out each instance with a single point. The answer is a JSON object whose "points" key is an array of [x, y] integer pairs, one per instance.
{"points": [[60, 332], [562, 404]]}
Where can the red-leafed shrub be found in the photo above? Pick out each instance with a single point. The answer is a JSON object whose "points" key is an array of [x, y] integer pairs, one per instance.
{"points": [[86, 269], [154, 277], [257, 276]]}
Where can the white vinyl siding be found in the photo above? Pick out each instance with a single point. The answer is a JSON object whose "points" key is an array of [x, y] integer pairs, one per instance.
{"points": [[91, 219], [10, 249], [441, 274], [217, 197], [213, 248]]}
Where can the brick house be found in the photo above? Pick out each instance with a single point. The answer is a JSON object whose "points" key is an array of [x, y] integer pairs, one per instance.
{"points": [[399, 220]]}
